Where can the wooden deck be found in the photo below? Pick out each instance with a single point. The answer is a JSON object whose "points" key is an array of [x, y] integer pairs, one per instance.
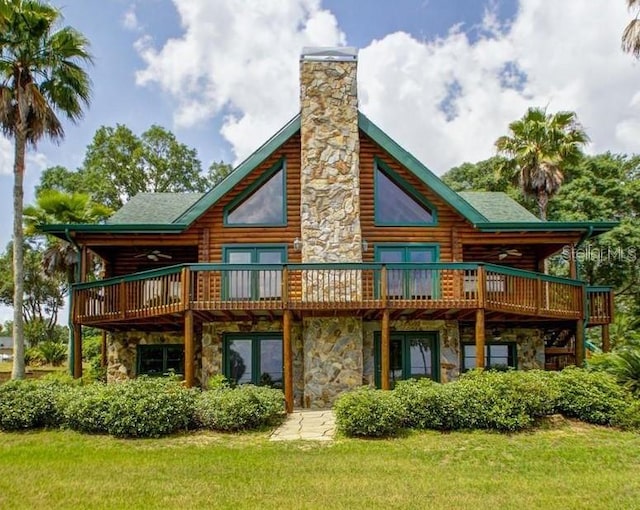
{"points": [[218, 292]]}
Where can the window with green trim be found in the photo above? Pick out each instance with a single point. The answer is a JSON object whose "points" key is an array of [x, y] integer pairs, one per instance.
{"points": [[409, 283], [496, 355], [250, 284], [396, 204], [412, 355], [261, 204], [254, 358], [160, 359]]}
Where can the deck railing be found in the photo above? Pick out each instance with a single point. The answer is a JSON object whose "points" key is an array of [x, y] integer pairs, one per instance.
{"points": [[600, 310], [322, 287]]}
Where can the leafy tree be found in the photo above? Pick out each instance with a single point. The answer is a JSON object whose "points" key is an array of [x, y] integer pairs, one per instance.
{"points": [[43, 294], [118, 165], [217, 172], [486, 175], [606, 187], [538, 149], [59, 178], [40, 74], [631, 33]]}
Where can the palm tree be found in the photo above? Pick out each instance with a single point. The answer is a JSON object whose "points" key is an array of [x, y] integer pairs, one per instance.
{"points": [[539, 148], [40, 73], [54, 206], [631, 34]]}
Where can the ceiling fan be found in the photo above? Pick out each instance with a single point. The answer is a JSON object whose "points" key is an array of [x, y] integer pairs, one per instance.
{"points": [[154, 255], [509, 252]]}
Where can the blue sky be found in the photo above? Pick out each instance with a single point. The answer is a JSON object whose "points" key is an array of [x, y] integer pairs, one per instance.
{"points": [[443, 77]]}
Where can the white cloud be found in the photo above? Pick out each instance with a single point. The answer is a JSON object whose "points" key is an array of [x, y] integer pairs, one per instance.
{"points": [[240, 59], [36, 161], [130, 19], [6, 156]]}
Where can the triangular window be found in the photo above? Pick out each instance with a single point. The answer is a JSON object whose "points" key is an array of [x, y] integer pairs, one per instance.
{"points": [[262, 204], [395, 204]]}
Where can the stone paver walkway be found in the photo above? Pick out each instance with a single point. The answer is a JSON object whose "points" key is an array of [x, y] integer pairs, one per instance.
{"points": [[307, 425]]}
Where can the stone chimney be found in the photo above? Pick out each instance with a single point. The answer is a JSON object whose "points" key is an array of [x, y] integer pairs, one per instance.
{"points": [[330, 218], [330, 173]]}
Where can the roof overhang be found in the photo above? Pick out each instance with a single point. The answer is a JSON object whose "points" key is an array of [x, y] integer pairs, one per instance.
{"points": [[587, 227], [64, 230]]}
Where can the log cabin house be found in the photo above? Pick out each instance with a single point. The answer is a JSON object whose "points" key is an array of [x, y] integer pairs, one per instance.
{"points": [[329, 259]]}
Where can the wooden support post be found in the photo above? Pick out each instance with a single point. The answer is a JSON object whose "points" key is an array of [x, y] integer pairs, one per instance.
{"points": [[103, 349], [573, 268], [288, 360], [606, 339], [580, 343], [77, 351], [480, 338], [383, 285], [186, 288], [385, 349], [189, 350], [285, 287], [482, 287]]}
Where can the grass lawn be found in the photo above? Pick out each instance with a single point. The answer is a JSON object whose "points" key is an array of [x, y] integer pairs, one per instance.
{"points": [[572, 466]]}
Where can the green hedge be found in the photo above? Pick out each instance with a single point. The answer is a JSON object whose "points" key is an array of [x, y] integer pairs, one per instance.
{"points": [[241, 408], [29, 404], [369, 413], [591, 396], [503, 401]]}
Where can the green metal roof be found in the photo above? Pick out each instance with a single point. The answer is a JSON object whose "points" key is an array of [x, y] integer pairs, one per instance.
{"points": [[174, 212], [154, 208], [497, 206]]}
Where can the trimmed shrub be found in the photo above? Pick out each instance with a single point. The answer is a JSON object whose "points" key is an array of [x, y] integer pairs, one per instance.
{"points": [[505, 401], [242, 408], [629, 417], [429, 405], [366, 412], [31, 404], [88, 409], [147, 407], [591, 396]]}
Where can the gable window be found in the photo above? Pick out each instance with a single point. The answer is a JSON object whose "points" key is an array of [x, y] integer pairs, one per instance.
{"points": [[161, 359], [409, 283], [396, 203], [412, 355], [254, 358], [496, 355], [262, 203], [251, 284]]}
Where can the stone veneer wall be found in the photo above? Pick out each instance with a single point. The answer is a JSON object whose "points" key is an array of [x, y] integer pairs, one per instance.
{"points": [[330, 222], [213, 334], [122, 347], [448, 336], [529, 343], [332, 360]]}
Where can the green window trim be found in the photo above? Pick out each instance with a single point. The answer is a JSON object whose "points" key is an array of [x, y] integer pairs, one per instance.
{"points": [[407, 249], [257, 375], [143, 351], [512, 355], [405, 338], [255, 187], [380, 166], [253, 277]]}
